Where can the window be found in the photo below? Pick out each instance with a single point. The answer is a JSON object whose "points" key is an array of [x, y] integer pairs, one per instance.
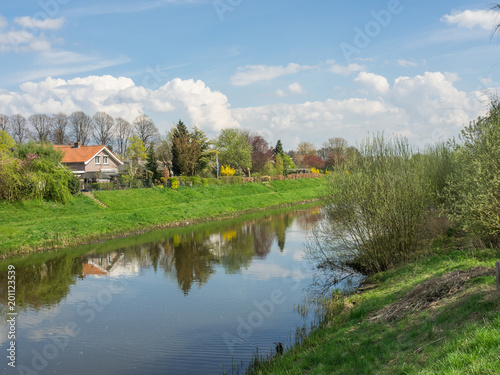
{"points": [[104, 160], [98, 160]]}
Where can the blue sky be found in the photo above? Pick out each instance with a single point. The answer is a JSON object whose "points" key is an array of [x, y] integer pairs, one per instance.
{"points": [[293, 70]]}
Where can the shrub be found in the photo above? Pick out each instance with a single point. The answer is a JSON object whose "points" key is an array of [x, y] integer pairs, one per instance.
{"points": [[74, 185], [196, 180], [227, 170], [162, 180], [376, 212], [173, 182], [472, 191]]}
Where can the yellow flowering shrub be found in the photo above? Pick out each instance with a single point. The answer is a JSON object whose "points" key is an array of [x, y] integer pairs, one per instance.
{"points": [[227, 170], [315, 170]]}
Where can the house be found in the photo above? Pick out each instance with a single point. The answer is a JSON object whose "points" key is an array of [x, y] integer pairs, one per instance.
{"points": [[90, 163]]}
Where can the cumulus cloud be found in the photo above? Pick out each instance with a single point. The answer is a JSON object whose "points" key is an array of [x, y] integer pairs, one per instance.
{"points": [[45, 24], [292, 89], [374, 82], [255, 73], [120, 97], [344, 69], [469, 19]]}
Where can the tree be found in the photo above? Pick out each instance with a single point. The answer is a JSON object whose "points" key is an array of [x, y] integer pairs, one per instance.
{"points": [[4, 123], [103, 125], [279, 148], [18, 128], [288, 164], [261, 152], [6, 142], [152, 164], [41, 126], [80, 127], [206, 154], [59, 125], [186, 149], [145, 129], [123, 131], [234, 149], [306, 148], [313, 161], [136, 152]]}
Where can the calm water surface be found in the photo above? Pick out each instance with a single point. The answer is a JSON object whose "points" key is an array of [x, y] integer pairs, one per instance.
{"points": [[185, 301]]}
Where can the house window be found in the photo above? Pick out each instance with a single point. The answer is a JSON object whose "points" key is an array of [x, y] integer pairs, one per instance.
{"points": [[98, 160], [104, 160]]}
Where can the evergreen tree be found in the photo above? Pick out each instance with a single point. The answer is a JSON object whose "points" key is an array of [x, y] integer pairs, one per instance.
{"points": [[278, 150], [152, 165], [179, 138]]}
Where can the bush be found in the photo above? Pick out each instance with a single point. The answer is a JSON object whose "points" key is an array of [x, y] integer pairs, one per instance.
{"points": [[74, 185], [472, 191], [173, 182], [376, 211], [196, 180], [227, 170]]}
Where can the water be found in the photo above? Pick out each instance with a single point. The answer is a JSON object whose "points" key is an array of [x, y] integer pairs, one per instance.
{"points": [[186, 301]]}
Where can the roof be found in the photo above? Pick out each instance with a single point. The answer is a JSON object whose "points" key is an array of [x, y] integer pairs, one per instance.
{"points": [[83, 154]]}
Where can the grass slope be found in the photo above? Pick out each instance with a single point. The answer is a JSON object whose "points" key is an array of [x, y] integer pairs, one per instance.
{"points": [[34, 225], [460, 334]]}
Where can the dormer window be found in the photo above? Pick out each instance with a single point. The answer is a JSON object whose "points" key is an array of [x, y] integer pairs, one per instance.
{"points": [[98, 160], [105, 160]]}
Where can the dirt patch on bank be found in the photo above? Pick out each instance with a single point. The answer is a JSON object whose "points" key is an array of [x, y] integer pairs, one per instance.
{"points": [[430, 292]]}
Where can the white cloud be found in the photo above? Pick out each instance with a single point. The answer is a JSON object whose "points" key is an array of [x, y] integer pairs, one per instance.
{"points": [[373, 82], [3, 22], [255, 73], [407, 63], [39, 24], [120, 97], [344, 69], [292, 89], [469, 19]]}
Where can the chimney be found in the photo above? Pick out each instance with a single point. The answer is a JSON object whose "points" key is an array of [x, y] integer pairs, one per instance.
{"points": [[77, 144]]}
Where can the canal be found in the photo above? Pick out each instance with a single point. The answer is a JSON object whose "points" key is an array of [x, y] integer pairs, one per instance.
{"points": [[200, 300]]}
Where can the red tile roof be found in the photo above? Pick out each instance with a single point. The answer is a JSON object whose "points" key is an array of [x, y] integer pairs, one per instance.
{"points": [[82, 154]]}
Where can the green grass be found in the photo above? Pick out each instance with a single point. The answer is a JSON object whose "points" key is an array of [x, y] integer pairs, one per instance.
{"points": [[33, 225], [461, 335]]}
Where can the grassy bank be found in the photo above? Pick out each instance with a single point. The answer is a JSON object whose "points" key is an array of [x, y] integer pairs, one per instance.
{"points": [[449, 325], [33, 225]]}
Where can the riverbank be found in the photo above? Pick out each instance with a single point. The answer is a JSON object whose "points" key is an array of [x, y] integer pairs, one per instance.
{"points": [[31, 225], [438, 315]]}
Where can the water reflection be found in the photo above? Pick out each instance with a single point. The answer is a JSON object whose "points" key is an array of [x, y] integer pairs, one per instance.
{"points": [[188, 257]]}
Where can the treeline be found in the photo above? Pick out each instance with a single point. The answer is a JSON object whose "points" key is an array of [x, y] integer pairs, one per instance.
{"points": [[180, 151], [391, 200]]}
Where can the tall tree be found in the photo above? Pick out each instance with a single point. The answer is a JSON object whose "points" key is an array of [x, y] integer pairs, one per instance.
{"points": [[145, 129], [103, 125], [18, 128], [41, 127], [186, 149], [4, 123], [123, 131], [136, 153], [261, 152], [59, 126], [234, 149], [279, 148], [80, 127], [306, 148], [152, 164]]}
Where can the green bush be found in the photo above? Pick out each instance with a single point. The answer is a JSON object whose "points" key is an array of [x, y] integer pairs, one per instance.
{"points": [[472, 192], [196, 180], [376, 210], [74, 185]]}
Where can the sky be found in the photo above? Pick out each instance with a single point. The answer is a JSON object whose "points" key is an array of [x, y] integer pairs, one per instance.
{"points": [[293, 70]]}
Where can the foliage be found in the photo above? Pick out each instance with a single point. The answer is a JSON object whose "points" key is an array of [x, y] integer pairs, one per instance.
{"points": [[472, 193], [279, 167], [152, 164], [34, 171], [136, 150], [227, 170], [173, 182], [186, 149], [261, 152], [288, 164], [234, 149], [6, 142], [313, 161], [314, 170], [377, 212], [278, 150]]}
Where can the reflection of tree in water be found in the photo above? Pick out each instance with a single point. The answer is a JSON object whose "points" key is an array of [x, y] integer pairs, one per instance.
{"points": [[43, 284], [187, 257], [308, 220]]}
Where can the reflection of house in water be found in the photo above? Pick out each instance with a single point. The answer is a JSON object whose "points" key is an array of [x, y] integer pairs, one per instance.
{"points": [[112, 264]]}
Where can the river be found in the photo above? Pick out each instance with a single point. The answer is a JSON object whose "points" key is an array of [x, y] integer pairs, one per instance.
{"points": [[198, 300]]}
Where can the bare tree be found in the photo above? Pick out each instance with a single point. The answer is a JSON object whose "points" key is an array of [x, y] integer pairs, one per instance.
{"points": [[19, 129], [41, 127], [123, 131], [306, 148], [4, 123], [103, 128], [145, 129], [80, 127], [59, 125]]}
